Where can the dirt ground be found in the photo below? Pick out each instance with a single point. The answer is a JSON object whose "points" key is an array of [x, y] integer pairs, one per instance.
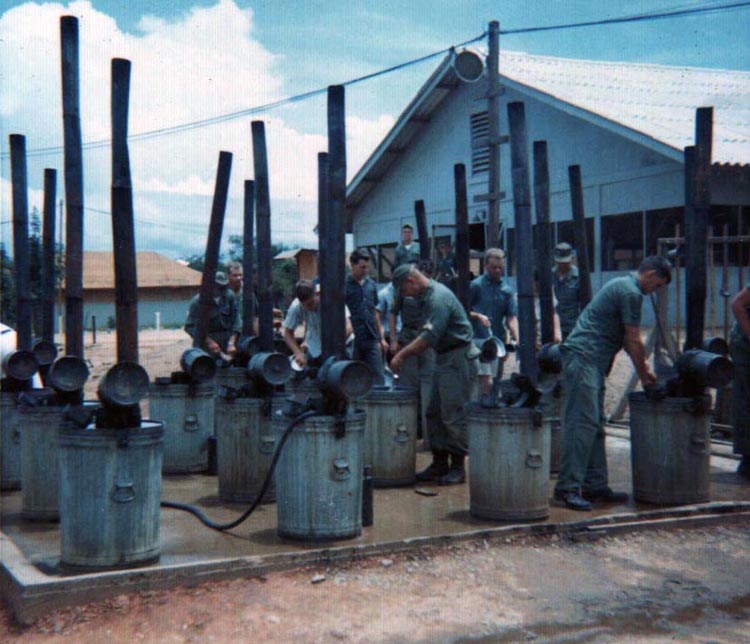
{"points": [[685, 586]]}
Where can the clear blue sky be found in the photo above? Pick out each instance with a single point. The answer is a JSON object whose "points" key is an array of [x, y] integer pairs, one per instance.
{"points": [[195, 59]]}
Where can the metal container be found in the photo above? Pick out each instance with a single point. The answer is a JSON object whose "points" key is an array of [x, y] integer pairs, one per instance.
{"points": [[110, 492], [509, 455], [245, 447], [187, 412], [40, 469], [227, 378], [391, 434], [10, 443], [319, 478], [670, 443], [553, 409]]}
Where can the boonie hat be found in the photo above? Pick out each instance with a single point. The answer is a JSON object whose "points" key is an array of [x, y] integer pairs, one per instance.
{"points": [[563, 252], [221, 278]]}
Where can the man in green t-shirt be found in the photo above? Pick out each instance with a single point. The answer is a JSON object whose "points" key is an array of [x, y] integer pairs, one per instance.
{"points": [[739, 349], [447, 330], [609, 323]]}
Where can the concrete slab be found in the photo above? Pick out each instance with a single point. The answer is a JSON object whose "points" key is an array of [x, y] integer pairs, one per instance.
{"points": [[32, 583]]}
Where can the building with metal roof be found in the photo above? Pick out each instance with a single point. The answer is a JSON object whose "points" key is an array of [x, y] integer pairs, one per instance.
{"points": [[624, 124]]}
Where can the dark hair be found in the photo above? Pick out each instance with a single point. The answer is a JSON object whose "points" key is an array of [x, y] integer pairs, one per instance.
{"points": [[405, 226], [357, 256], [304, 290], [426, 266], [657, 263]]}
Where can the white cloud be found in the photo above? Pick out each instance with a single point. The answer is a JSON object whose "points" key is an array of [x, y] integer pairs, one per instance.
{"points": [[206, 63]]}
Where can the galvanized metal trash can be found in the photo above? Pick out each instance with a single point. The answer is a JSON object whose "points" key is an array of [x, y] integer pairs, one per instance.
{"points": [[319, 478], [227, 378], [245, 447], [187, 412], [509, 453], [10, 443], [670, 443], [40, 468], [110, 495], [391, 434]]}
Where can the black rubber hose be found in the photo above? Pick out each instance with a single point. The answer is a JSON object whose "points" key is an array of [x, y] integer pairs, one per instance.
{"points": [[233, 524]]}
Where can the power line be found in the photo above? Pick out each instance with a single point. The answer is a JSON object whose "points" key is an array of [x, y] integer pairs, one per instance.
{"points": [[637, 18], [222, 118]]}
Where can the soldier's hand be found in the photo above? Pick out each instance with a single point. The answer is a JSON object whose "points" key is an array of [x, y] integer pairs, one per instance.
{"points": [[397, 363], [649, 378], [384, 345], [213, 346], [394, 347], [300, 357], [485, 320]]}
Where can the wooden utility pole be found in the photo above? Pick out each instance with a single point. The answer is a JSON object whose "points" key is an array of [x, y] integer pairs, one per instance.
{"points": [[420, 214], [248, 259], [494, 92], [579, 230], [21, 241], [48, 252], [462, 235], [544, 242]]}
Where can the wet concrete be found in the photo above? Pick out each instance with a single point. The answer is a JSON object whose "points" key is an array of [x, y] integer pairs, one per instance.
{"points": [[32, 582]]}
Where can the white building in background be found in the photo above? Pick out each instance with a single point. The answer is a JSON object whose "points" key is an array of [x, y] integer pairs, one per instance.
{"points": [[624, 124]]}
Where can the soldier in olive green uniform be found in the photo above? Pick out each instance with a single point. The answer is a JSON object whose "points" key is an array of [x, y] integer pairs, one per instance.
{"points": [[446, 328], [224, 325], [567, 290], [610, 322], [407, 252], [739, 349]]}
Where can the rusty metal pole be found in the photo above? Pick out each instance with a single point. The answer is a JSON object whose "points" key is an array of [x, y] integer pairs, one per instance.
{"points": [[248, 260], [263, 224], [424, 240], [579, 233], [73, 187], [21, 273], [544, 246], [697, 206], [48, 254], [462, 237], [524, 239], [494, 91], [333, 320], [322, 218], [213, 244], [123, 232]]}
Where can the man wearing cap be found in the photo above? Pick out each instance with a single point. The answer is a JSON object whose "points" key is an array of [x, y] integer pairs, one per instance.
{"points": [[566, 287], [407, 252], [610, 322], [445, 269], [305, 310], [446, 329], [493, 310], [224, 319]]}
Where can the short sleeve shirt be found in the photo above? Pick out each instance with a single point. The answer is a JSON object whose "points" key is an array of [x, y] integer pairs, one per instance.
{"points": [[568, 294], [404, 255], [738, 338], [446, 324], [497, 301], [297, 315], [599, 333]]}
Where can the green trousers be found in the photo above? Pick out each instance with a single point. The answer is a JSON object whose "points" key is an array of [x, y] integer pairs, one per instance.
{"points": [[584, 459], [740, 355], [452, 382]]}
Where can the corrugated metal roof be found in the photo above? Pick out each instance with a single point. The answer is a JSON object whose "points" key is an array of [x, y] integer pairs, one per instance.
{"points": [[652, 104], [154, 271], [656, 100]]}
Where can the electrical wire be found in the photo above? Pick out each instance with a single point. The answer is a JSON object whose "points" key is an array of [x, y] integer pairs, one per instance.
{"points": [[222, 118]]}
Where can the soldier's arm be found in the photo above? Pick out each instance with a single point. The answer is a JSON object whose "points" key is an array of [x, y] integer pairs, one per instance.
{"points": [[633, 344]]}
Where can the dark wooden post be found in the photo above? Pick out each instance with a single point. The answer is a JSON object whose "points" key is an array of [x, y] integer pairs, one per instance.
{"points": [[263, 225], [544, 242], [697, 206], [462, 237], [494, 91], [21, 273], [524, 239], [123, 233], [579, 232], [213, 244], [48, 252], [424, 240], [248, 260], [322, 218], [332, 292], [73, 188]]}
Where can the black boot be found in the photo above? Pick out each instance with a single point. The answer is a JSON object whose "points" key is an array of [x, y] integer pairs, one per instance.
{"points": [[456, 474], [437, 468]]}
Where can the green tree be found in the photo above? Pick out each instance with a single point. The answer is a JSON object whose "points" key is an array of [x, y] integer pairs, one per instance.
{"points": [[284, 274], [7, 289]]}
